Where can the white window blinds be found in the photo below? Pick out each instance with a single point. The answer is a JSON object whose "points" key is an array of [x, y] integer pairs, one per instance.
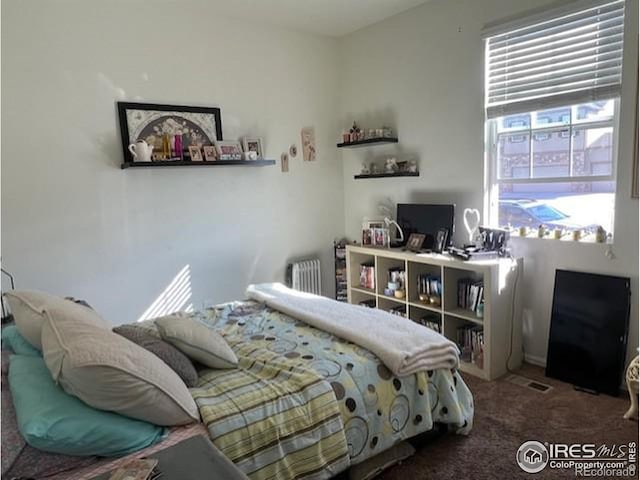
{"points": [[572, 58]]}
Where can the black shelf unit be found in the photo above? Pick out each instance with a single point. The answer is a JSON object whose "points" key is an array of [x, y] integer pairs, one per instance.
{"points": [[368, 141], [189, 163], [387, 175], [340, 258]]}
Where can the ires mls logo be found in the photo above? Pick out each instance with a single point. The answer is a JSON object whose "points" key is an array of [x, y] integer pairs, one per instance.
{"points": [[532, 456], [586, 459]]}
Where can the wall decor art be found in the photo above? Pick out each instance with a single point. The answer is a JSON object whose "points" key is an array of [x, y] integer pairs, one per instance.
{"points": [[253, 144], [284, 162], [154, 122], [308, 135], [293, 150]]}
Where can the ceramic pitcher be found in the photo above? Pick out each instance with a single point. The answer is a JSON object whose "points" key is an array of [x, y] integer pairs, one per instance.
{"points": [[141, 151]]}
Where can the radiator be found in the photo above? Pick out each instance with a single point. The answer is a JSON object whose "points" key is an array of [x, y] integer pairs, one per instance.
{"points": [[305, 276]]}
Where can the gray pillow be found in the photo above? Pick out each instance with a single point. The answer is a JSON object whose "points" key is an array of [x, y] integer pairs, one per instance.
{"points": [[169, 354]]}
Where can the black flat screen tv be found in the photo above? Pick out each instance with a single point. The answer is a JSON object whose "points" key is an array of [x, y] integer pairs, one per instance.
{"points": [[589, 327], [425, 219]]}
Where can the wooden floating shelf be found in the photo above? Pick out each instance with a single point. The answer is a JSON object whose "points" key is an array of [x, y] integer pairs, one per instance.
{"points": [[189, 163], [387, 175], [368, 141]]}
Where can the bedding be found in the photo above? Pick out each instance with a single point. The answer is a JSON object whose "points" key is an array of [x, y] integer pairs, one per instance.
{"points": [[18, 458], [108, 372], [405, 347], [321, 400], [377, 409], [54, 421], [12, 340], [174, 358], [28, 311], [196, 341]]}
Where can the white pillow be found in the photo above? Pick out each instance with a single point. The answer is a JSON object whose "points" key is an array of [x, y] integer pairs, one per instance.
{"points": [[196, 341], [108, 372], [28, 307]]}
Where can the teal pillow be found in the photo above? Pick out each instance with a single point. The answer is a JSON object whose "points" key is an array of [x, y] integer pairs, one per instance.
{"points": [[12, 340], [54, 421]]}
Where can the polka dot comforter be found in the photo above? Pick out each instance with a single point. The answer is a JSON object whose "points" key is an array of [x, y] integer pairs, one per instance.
{"points": [[377, 409]]}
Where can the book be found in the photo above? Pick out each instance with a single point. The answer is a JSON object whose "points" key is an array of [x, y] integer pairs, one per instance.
{"points": [[367, 276], [470, 294]]}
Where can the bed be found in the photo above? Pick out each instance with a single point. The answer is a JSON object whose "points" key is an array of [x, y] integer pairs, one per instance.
{"points": [[305, 403]]}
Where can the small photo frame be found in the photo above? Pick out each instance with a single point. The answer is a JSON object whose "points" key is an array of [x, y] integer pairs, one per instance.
{"points": [[229, 150], [210, 153], [442, 240], [414, 244], [380, 237], [195, 153], [253, 144]]}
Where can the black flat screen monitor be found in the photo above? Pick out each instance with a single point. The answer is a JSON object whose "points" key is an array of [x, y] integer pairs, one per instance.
{"points": [[425, 219], [589, 326]]}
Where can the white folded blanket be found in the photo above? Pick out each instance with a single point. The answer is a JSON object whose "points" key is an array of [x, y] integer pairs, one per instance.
{"points": [[403, 346]]}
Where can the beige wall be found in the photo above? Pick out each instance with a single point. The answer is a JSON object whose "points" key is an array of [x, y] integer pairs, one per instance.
{"points": [[422, 72]]}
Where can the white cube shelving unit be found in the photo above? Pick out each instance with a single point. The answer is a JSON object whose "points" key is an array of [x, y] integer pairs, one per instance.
{"points": [[501, 322]]}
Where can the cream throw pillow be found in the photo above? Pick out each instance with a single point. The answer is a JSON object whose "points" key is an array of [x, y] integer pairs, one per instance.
{"points": [[28, 310], [196, 341], [109, 372]]}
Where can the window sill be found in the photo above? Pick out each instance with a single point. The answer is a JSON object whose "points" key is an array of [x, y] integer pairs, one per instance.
{"points": [[588, 240]]}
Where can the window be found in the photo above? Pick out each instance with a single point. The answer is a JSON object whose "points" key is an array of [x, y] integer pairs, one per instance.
{"points": [[552, 89]]}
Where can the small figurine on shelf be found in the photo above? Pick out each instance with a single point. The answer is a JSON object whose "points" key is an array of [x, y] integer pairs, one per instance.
{"points": [[541, 231], [346, 136], [374, 168], [355, 132], [413, 166], [391, 165], [365, 169], [387, 132], [601, 235]]}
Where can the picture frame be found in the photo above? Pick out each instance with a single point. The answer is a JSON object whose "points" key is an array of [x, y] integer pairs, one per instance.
{"points": [[151, 121], [229, 150], [415, 242], [253, 144], [442, 239], [195, 153], [380, 237], [210, 153]]}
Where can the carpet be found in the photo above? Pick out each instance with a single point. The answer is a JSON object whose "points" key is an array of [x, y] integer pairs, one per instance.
{"points": [[506, 415]]}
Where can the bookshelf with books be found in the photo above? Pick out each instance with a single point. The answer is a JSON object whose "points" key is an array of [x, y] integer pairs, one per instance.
{"points": [[340, 262], [472, 303]]}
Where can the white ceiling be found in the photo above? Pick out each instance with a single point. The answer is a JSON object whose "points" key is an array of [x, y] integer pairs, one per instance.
{"points": [[325, 17]]}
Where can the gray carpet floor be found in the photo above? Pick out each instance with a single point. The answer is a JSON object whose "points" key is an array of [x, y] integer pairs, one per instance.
{"points": [[506, 415]]}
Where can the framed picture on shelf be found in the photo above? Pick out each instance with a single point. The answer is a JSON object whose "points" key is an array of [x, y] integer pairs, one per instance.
{"points": [[414, 244], [152, 122], [210, 153], [253, 144], [442, 239], [380, 237], [195, 153], [229, 150]]}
